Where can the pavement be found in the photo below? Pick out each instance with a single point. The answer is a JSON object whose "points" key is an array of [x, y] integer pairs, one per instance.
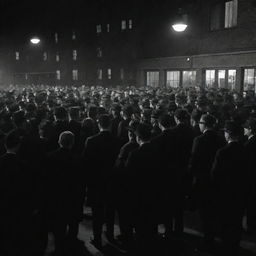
{"points": [[186, 246]]}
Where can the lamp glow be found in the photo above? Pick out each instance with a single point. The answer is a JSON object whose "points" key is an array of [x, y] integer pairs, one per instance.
{"points": [[35, 40], [179, 27]]}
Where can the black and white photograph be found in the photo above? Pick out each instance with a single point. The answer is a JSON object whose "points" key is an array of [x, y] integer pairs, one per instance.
{"points": [[128, 128]]}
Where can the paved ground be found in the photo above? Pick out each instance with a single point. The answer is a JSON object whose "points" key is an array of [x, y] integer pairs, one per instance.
{"points": [[187, 246]]}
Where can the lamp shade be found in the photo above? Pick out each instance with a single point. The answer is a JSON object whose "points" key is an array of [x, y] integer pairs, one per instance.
{"points": [[35, 40], [179, 27]]}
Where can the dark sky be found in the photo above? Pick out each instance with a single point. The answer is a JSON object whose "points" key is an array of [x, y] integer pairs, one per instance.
{"points": [[18, 16]]}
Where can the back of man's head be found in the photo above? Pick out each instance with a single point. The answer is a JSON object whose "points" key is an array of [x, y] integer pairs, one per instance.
{"points": [[165, 121], [143, 132], [209, 120], [104, 121], [66, 139]]}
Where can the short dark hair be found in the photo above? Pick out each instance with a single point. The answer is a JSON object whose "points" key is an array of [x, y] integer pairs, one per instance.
{"points": [[66, 139], [209, 120], [104, 121], [182, 115], [166, 121], [143, 131]]}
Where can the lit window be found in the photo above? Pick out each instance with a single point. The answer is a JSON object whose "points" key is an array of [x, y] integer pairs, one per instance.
{"points": [[130, 24], [73, 36], [58, 74], [123, 24], [210, 78], [56, 37], [189, 79], [45, 56], [173, 79], [75, 75], [108, 28], [231, 79], [153, 78], [122, 74], [231, 14], [57, 57], [221, 78], [74, 54], [99, 52], [17, 55], [249, 79], [98, 29], [224, 15], [109, 73], [99, 74]]}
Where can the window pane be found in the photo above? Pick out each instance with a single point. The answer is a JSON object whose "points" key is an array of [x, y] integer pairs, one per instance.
{"points": [[153, 78], [58, 74], [189, 79], [75, 74], [74, 54], [249, 79], [98, 29], [123, 24], [210, 78], [221, 78], [17, 55], [231, 14], [122, 74], [45, 56], [231, 79], [109, 73], [99, 74], [130, 24], [173, 79], [56, 38]]}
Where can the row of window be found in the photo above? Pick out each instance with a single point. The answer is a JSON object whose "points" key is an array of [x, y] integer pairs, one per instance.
{"points": [[56, 37], [214, 78], [125, 24], [99, 74], [45, 56]]}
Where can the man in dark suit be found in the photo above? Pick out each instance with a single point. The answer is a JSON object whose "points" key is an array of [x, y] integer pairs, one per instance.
{"points": [[141, 166], [183, 139], [65, 188], [204, 150], [20, 233], [230, 184], [167, 180], [250, 147], [101, 151], [126, 222]]}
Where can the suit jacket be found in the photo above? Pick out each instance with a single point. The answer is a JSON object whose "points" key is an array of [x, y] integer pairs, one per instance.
{"points": [[122, 132], [100, 153], [204, 150], [64, 182], [183, 139], [17, 194], [141, 168], [230, 176]]}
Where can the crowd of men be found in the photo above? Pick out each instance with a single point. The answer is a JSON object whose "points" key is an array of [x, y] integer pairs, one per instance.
{"points": [[144, 154]]}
